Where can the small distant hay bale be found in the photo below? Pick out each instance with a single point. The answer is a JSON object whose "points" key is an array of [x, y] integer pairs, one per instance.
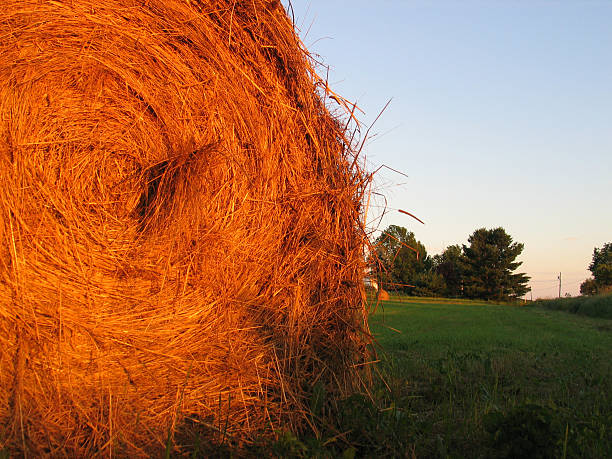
{"points": [[180, 235], [383, 295]]}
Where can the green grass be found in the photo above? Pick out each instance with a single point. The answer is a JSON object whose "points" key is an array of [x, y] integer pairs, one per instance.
{"points": [[475, 380], [593, 306]]}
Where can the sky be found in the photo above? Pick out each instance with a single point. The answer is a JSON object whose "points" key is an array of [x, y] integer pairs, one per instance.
{"points": [[500, 115]]}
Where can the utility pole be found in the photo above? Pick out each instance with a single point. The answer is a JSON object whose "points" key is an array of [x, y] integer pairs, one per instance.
{"points": [[559, 285]]}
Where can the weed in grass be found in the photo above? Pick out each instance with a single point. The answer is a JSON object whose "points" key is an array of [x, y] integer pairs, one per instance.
{"points": [[288, 445], [524, 431]]}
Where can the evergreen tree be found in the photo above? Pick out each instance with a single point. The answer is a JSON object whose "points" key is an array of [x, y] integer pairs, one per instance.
{"points": [[490, 265]]}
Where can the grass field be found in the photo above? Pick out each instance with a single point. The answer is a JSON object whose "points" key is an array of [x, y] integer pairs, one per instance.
{"points": [[483, 380]]}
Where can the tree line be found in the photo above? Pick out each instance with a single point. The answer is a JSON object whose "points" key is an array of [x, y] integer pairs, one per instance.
{"points": [[484, 268]]}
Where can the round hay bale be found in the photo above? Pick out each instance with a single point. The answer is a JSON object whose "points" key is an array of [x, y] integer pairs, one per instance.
{"points": [[383, 295], [180, 233]]}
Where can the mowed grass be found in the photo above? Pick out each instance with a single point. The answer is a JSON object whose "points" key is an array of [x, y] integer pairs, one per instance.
{"points": [[484, 380]]}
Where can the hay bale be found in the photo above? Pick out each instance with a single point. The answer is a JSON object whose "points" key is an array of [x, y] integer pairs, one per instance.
{"points": [[179, 233]]}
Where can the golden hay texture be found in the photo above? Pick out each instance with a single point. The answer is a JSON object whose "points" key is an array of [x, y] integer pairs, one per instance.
{"points": [[180, 237]]}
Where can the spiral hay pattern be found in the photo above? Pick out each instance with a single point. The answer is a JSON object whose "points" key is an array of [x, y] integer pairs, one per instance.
{"points": [[180, 237]]}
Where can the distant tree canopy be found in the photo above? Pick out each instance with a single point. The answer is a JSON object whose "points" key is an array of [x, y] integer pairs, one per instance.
{"points": [[401, 258], [484, 269], [588, 287], [601, 268], [490, 265], [451, 266]]}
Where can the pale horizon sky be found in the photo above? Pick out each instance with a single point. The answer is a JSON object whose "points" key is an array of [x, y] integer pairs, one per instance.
{"points": [[501, 115]]}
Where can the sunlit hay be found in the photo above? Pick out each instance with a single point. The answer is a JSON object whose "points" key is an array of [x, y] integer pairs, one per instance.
{"points": [[179, 234]]}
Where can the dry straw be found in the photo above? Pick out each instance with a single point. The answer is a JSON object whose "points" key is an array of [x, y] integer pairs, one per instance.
{"points": [[180, 239]]}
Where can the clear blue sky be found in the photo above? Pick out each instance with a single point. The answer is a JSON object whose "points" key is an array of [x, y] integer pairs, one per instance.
{"points": [[501, 116]]}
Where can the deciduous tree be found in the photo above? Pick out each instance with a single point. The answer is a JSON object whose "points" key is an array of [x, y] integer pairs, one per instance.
{"points": [[588, 287], [450, 264], [400, 257], [601, 266]]}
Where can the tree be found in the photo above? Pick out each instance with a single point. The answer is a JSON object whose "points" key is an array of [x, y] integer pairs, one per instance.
{"points": [[601, 266], [450, 265], [429, 283], [588, 287], [490, 265], [400, 257]]}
